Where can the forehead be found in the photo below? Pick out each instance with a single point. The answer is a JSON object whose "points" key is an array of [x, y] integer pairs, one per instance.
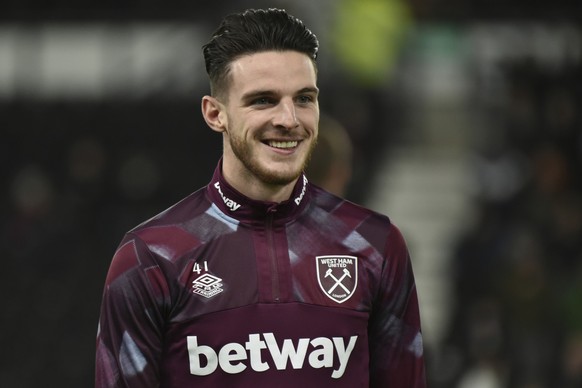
{"points": [[270, 70]]}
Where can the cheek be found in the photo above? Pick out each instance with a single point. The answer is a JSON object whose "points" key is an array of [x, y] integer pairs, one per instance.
{"points": [[313, 128], [311, 120]]}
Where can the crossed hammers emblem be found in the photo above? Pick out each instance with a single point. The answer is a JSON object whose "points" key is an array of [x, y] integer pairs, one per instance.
{"points": [[338, 282]]}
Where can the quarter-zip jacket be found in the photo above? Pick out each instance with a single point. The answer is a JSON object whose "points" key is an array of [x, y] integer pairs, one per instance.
{"points": [[224, 291]]}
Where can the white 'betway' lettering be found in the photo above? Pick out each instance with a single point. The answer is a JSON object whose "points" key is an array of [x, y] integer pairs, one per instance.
{"points": [[204, 360], [227, 201], [300, 197]]}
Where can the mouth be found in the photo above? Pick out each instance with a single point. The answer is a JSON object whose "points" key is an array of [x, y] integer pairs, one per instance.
{"points": [[283, 145]]}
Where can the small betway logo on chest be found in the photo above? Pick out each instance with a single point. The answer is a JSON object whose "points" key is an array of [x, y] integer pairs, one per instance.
{"points": [[337, 276], [262, 350]]}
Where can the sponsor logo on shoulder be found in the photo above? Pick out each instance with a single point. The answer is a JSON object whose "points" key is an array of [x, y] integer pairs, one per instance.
{"points": [[232, 205], [262, 351], [337, 276], [206, 285]]}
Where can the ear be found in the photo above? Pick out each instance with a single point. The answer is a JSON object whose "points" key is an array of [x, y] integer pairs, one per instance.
{"points": [[214, 113]]}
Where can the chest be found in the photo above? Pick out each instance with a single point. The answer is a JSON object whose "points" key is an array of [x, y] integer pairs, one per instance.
{"points": [[276, 265]]}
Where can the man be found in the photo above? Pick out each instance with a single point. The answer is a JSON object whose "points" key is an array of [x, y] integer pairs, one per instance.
{"points": [[261, 279]]}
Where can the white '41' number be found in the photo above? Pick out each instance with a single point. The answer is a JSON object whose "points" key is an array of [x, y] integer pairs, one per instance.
{"points": [[197, 268]]}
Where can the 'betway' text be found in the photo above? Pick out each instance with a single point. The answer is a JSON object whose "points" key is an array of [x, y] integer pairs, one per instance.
{"points": [[262, 350]]}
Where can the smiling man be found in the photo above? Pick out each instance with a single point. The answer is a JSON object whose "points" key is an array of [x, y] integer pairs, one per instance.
{"points": [[261, 279], [268, 116]]}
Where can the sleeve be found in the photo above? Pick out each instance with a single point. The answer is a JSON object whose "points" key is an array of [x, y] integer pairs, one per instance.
{"points": [[396, 349], [129, 337]]}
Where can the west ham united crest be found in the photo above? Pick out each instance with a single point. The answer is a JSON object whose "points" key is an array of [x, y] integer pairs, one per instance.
{"points": [[337, 276]]}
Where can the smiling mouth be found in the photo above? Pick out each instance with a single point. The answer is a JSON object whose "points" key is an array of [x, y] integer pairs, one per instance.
{"points": [[282, 144]]}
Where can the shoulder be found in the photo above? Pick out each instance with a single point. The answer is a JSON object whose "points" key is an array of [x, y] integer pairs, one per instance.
{"points": [[360, 230], [179, 213], [375, 227], [343, 208], [170, 234]]}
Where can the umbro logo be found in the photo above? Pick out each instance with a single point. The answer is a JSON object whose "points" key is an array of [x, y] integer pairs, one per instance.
{"points": [[337, 276], [206, 285]]}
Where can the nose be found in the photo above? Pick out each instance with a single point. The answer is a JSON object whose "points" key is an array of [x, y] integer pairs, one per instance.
{"points": [[285, 115]]}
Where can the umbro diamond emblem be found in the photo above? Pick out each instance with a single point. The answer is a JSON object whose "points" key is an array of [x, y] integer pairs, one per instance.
{"points": [[207, 285]]}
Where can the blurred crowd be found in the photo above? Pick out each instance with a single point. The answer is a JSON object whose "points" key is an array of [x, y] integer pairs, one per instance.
{"points": [[517, 273], [77, 174], [76, 177]]}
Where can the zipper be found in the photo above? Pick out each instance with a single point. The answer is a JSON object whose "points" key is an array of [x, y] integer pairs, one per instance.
{"points": [[276, 288]]}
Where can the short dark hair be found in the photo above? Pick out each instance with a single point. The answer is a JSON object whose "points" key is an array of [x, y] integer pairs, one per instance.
{"points": [[253, 31]]}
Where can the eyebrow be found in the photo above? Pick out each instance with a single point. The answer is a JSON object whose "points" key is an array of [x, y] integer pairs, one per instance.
{"points": [[314, 90], [262, 93]]}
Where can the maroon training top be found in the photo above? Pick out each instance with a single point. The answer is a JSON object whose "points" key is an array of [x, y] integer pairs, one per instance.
{"points": [[224, 291]]}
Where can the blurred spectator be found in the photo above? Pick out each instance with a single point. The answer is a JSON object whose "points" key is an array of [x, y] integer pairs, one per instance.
{"points": [[331, 162]]}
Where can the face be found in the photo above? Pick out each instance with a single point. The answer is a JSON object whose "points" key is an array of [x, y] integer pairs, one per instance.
{"points": [[271, 117]]}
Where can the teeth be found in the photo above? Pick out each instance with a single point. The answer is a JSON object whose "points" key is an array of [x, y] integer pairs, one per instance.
{"points": [[283, 144]]}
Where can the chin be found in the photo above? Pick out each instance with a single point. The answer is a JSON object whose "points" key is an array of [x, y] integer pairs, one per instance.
{"points": [[281, 177]]}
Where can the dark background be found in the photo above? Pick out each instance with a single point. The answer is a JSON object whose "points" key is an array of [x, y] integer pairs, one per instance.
{"points": [[76, 174]]}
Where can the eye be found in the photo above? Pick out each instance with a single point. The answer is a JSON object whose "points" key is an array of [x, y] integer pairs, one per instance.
{"points": [[304, 99], [262, 101]]}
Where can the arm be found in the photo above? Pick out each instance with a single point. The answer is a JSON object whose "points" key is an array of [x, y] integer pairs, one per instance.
{"points": [[396, 351], [129, 339]]}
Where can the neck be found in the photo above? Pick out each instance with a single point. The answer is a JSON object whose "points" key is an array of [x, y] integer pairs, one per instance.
{"points": [[250, 186]]}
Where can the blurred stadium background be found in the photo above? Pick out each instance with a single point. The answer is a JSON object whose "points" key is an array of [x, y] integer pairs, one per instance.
{"points": [[466, 123]]}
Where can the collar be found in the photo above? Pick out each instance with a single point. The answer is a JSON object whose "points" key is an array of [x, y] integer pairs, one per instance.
{"points": [[238, 206]]}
